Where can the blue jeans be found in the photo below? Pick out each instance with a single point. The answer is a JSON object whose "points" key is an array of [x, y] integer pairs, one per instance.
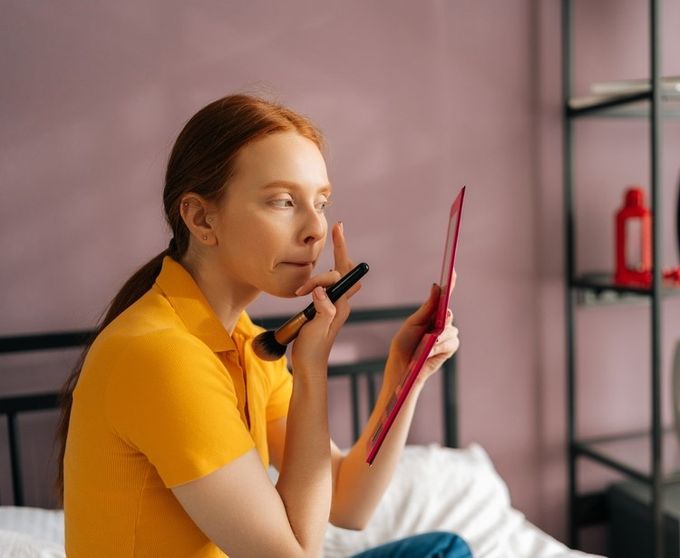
{"points": [[428, 545]]}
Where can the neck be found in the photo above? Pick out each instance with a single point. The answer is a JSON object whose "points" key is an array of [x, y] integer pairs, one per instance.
{"points": [[227, 297]]}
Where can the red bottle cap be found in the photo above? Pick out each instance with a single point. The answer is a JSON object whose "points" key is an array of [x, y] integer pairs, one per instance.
{"points": [[635, 197]]}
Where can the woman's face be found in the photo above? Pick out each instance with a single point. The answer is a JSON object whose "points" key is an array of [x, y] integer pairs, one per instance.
{"points": [[270, 225]]}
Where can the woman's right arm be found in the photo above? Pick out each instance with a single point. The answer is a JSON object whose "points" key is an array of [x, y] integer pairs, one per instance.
{"points": [[237, 506]]}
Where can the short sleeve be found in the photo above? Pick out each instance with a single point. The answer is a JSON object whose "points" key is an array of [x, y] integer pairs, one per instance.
{"points": [[281, 390], [170, 397]]}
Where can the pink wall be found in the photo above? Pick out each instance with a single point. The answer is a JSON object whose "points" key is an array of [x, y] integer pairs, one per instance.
{"points": [[415, 99]]}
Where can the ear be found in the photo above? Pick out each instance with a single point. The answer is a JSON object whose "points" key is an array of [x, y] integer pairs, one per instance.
{"points": [[198, 216]]}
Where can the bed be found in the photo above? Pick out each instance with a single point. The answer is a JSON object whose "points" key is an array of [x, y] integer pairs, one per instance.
{"points": [[436, 487]]}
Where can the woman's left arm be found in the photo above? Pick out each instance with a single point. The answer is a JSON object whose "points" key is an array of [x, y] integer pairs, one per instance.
{"points": [[358, 487]]}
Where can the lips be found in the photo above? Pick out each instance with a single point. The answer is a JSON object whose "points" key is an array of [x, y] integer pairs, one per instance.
{"points": [[299, 264]]}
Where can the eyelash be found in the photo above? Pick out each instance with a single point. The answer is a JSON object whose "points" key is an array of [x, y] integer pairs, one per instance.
{"points": [[325, 204]]}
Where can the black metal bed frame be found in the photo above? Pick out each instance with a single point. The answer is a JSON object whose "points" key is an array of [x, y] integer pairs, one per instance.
{"points": [[13, 406]]}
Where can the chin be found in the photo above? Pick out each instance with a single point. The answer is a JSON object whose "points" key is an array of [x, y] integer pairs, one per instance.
{"points": [[282, 291], [284, 285], [286, 294]]}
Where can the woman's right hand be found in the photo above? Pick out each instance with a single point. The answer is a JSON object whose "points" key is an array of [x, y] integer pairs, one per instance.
{"points": [[313, 345], [314, 342]]}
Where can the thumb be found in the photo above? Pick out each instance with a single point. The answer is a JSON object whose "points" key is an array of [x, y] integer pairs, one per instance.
{"points": [[422, 316]]}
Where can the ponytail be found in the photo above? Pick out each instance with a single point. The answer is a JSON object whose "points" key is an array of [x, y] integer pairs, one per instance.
{"points": [[132, 290]]}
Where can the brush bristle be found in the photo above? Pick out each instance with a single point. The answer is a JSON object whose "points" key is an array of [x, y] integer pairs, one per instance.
{"points": [[267, 347]]}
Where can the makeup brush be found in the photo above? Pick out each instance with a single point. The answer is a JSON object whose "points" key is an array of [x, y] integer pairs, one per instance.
{"points": [[271, 344]]}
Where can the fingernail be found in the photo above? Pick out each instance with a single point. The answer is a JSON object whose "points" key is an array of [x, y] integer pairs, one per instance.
{"points": [[298, 290], [320, 293], [449, 313], [342, 227]]}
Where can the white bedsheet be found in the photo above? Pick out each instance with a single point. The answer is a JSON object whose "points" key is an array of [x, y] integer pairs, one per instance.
{"points": [[456, 490], [434, 488], [31, 533]]}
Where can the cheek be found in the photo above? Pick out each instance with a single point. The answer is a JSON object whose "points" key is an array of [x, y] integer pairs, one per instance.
{"points": [[264, 236], [252, 224]]}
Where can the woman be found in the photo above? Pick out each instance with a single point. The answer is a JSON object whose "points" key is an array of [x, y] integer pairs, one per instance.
{"points": [[172, 420]]}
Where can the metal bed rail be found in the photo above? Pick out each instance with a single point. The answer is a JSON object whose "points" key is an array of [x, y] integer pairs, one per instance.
{"points": [[367, 370]]}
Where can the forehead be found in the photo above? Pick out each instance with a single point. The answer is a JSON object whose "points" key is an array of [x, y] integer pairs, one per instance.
{"points": [[282, 156]]}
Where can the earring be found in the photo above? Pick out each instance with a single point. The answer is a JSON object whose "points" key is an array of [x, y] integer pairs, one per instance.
{"points": [[205, 237]]}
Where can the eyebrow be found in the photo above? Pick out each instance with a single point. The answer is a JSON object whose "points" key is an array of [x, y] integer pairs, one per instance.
{"points": [[288, 184]]}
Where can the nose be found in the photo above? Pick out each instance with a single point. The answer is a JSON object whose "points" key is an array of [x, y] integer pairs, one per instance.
{"points": [[313, 227]]}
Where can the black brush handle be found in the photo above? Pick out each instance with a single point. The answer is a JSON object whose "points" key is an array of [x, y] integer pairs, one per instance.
{"points": [[335, 291]]}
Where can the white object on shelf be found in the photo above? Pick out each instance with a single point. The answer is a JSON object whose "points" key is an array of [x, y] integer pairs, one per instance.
{"points": [[670, 85], [611, 90]]}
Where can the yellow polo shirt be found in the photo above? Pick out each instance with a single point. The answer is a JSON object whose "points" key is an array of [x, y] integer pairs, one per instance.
{"points": [[165, 396]]}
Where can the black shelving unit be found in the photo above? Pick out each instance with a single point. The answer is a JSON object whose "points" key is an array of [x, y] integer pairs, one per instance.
{"points": [[638, 455]]}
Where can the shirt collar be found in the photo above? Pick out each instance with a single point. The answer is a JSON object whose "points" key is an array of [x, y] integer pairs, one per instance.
{"points": [[192, 307]]}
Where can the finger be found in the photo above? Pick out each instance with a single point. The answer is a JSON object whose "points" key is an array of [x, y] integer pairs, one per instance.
{"points": [[354, 289], [437, 358], [325, 279], [448, 342], [342, 311], [325, 309], [343, 262], [450, 332], [423, 315], [434, 362], [447, 346], [449, 317]]}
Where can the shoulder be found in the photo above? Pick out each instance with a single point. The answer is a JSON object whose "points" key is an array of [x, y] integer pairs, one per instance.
{"points": [[169, 348], [169, 360], [149, 330]]}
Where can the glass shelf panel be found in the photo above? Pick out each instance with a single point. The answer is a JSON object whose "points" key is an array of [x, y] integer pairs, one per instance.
{"points": [[636, 105], [600, 288], [632, 453]]}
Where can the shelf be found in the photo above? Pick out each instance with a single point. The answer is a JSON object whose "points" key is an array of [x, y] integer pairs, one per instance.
{"points": [[631, 454], [600, 288], [633, 105]]}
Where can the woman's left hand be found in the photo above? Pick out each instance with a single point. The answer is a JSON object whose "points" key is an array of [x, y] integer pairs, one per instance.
{"points": [[407, 338], [446, 346]]}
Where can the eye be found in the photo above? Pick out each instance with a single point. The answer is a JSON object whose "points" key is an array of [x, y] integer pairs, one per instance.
{"points": [[322, 206], [282, 203]]}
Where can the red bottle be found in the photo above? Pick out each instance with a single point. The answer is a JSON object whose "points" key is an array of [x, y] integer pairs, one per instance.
{"points": [[634, 240]]}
